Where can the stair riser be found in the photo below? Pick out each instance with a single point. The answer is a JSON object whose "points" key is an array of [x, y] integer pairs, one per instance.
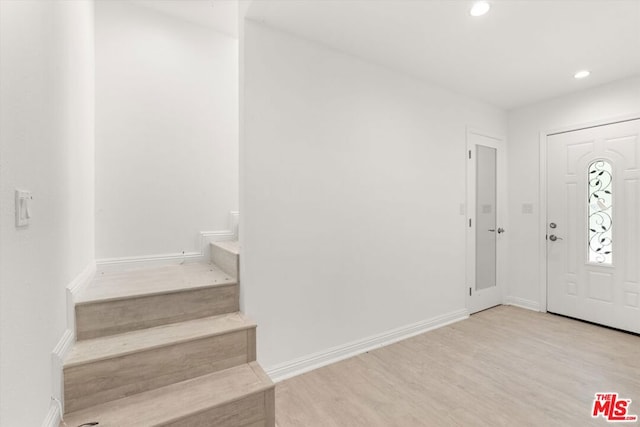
{"points": [[253, 410], [104, 318], [227, 261], [97, 382]]}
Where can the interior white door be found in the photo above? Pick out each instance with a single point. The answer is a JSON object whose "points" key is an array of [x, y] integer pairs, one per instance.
{"points": [[593, 224], [485, 226]]}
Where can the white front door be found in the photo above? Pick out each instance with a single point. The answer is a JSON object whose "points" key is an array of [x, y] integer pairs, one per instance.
{"points": [[485, 222], [593, 224]]}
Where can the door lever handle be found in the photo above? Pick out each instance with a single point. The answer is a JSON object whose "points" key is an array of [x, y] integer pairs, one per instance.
{"points": [[500, 230], [553, 238]]}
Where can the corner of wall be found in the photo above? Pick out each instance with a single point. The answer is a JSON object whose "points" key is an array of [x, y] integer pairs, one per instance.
{"points": [[66, 341], [53, 417], [522, 303]]}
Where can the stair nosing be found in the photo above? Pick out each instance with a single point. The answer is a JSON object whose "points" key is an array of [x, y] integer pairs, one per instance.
{"points": [[70, 362], [261, 389], [80, 302], [260, 386], [224, 246], [118, 285]]}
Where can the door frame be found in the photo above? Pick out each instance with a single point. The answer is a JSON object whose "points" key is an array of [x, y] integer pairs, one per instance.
{"points": [[542, 224], [501, 217]]}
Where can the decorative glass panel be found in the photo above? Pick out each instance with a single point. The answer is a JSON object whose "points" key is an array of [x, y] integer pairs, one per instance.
{"points": [[600, 212], [486, 197]]}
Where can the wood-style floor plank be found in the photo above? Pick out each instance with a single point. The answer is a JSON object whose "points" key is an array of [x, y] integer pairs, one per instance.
{"points": [[501, 367]]}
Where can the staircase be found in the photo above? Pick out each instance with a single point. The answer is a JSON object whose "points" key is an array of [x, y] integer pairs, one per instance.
{"points": [[166, 347]]}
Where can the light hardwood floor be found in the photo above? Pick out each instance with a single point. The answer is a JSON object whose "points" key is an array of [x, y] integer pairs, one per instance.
{"points": [[502, 367]]}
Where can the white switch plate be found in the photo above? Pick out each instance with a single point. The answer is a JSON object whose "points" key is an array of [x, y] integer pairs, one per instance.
{"points": [[23, 200]]}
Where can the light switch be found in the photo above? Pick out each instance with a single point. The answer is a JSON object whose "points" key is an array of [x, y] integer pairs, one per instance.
{"points": [[23, 208]]}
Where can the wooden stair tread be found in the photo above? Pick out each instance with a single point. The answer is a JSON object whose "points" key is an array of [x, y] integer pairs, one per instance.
{"points": [[176, 401], [153, 281], [232, 246], [145, 339]]}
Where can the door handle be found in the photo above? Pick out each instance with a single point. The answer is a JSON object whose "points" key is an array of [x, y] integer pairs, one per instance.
{"points": [[492, 230], [553, 238], [500, 230]]}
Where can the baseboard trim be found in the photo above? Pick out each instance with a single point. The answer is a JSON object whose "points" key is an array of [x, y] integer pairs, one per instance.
{"points": [[522, 303], [127, 263], [235, 223], [83, 279], [201, 253], [313, 361], [76, 286], [53, 417], [62, 348], [57, 363], [64, 344]]}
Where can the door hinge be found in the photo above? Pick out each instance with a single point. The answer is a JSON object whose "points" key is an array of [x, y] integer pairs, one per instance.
{"points": [[469, 222], [469, 153], [469, 291]]}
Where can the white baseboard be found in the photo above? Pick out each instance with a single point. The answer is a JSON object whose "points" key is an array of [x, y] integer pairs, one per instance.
{"points": [[160, 260], [64, 344], [145, 261], [81, 281], [316, 360], [53, 416], [235, 223], [57, 363], [522, 303]]}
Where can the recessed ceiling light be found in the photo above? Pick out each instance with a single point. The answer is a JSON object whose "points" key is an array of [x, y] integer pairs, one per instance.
{"points": [[582, 74], [479, 8]]}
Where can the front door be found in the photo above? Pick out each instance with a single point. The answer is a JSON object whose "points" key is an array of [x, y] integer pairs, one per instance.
{"points": [[593, 224]]}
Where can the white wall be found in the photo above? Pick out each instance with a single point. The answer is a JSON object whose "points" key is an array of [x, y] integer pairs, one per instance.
{"points": [[46, 146], [352, 179], [166, 131], [611, 101]]}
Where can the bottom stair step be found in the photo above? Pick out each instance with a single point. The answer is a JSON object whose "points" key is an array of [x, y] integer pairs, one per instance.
{"points": [[240, 396]]}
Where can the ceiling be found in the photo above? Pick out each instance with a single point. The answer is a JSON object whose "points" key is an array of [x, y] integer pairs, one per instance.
{"points": [[519, 53]]}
